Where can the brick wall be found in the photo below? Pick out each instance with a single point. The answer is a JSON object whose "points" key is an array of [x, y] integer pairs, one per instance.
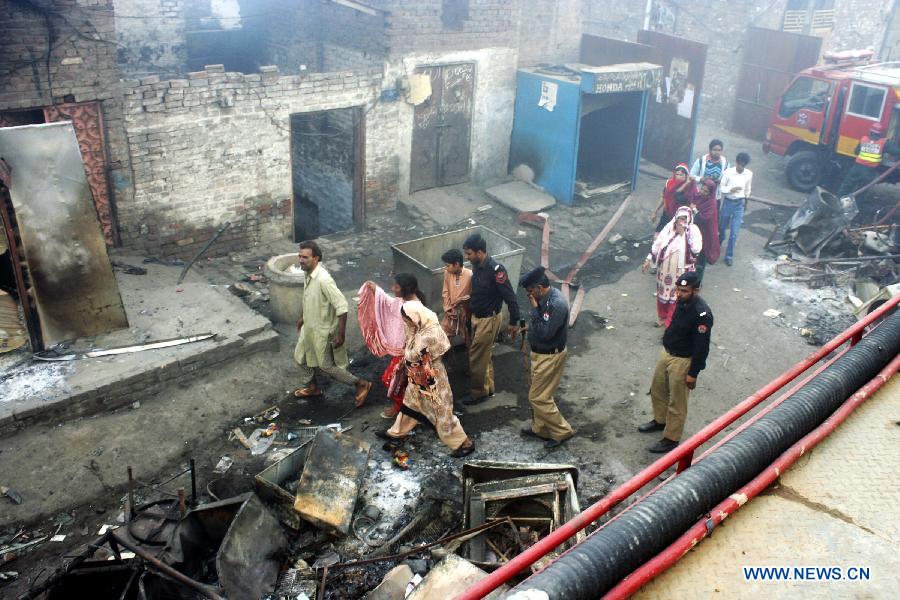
{"points": [[151, 35], [215, 147], [423, 26], [287, 33], [861, 24], [323, 36], [81, 67], [550, 31]]}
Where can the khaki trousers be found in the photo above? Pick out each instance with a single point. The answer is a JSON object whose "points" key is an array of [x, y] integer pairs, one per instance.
{"points": [[546, 372], [308, 374], [669, 394], [481, 368]]}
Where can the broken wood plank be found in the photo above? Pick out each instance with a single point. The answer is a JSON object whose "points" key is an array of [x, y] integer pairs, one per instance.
{"points": [[774, 203], [545, 244], [601, 237], [239, 435], [576, 306]]}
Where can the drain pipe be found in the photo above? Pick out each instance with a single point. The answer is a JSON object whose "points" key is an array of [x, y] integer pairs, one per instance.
{"points": [[665, 559], [596, 565], [682, 455]]}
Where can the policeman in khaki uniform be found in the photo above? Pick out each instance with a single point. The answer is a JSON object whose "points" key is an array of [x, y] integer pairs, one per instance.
{"points": [[685, 348], [490, 289], [547, 329]]}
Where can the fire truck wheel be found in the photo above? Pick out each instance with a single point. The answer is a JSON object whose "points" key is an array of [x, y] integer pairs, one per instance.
{"points": [[804, 171]]}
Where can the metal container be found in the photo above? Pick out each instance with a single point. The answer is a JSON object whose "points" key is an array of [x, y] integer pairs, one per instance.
{"points": [[422, 258], [535, 496], [272, 481]]}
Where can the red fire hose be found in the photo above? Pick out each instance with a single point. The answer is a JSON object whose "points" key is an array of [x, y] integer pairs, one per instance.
{"points": [[692, 536], [683, 454]]}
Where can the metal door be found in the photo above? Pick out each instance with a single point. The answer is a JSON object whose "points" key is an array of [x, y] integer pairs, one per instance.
{"points": [[87, 119], [771, 59], [442, 128], [672, 112]]}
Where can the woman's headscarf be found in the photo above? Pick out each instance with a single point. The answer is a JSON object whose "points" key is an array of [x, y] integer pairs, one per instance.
{"points": [[662, 246], [670, 199], [420, 316]]}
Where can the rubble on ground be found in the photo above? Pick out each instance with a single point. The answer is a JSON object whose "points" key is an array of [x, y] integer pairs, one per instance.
{"points": [[316, 513]]}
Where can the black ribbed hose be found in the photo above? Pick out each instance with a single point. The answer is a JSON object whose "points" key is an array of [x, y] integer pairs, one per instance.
{"points": [[593, 567]]}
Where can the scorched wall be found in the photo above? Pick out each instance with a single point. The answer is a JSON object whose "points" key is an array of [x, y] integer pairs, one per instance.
{"points": [[215, 147]]}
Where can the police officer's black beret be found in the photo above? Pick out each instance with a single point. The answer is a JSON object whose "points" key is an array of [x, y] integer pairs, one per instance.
{"points": [[533, 277], [689, 278]]}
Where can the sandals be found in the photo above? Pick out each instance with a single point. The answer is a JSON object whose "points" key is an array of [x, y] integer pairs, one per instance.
{"points": [[464, 450], [307, 392], [383, 435]]}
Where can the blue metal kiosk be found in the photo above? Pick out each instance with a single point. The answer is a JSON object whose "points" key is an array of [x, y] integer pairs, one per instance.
{"points": [[581, 122]]}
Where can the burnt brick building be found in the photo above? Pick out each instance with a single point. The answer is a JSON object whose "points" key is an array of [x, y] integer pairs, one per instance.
{"points": [[283, 118]]}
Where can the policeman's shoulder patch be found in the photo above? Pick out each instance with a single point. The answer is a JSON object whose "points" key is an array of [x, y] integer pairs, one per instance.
{"points": [[500, 276], [702, 328]]}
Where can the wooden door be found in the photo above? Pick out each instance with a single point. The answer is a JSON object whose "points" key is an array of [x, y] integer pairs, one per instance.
{"points": [[442, 127], [771, 60]]}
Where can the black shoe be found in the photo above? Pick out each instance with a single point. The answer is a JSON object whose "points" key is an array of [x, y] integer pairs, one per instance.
{"points": [[550, 444], [662, 446], [651, 426], [388, 438], [528, 432], [472, 401], [729, 262], [463, 451]]}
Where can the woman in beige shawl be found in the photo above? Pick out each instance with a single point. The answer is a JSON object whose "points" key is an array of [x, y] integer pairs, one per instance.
{"points": [[428, 395]]}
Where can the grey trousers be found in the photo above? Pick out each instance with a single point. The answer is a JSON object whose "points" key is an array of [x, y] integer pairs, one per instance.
{"points": [[308, 374]]}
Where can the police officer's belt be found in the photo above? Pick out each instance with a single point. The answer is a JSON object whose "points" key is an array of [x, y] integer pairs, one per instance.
{"points": [[551, 351]]}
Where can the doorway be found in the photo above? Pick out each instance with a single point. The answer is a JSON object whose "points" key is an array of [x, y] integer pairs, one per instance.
{"points": [[608, 137], [442, 128], [327, 170]]}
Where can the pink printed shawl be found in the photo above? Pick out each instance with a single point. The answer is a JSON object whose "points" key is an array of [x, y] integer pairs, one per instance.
{"points": [[380, 322]]}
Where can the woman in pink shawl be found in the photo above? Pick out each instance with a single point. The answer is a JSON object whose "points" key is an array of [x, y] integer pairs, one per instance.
{"points": [[706, 217], [384, 332], [674, 251]]}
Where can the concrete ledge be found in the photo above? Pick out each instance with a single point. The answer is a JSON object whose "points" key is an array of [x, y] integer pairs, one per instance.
{"points": [[157, 308], [144, 386]]}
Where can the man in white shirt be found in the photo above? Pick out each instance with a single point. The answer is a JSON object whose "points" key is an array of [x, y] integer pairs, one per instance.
{"points": [[735, 188]]}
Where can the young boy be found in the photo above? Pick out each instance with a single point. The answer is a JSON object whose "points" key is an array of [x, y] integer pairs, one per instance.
{"points": [[735, 188], [710, 166], [455, 294]]}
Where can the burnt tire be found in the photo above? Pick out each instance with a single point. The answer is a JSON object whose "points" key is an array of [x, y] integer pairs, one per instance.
{"points": [[804, 171]]}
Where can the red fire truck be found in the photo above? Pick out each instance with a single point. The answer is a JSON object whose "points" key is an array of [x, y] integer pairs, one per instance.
{"points": [[824, 112]]}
